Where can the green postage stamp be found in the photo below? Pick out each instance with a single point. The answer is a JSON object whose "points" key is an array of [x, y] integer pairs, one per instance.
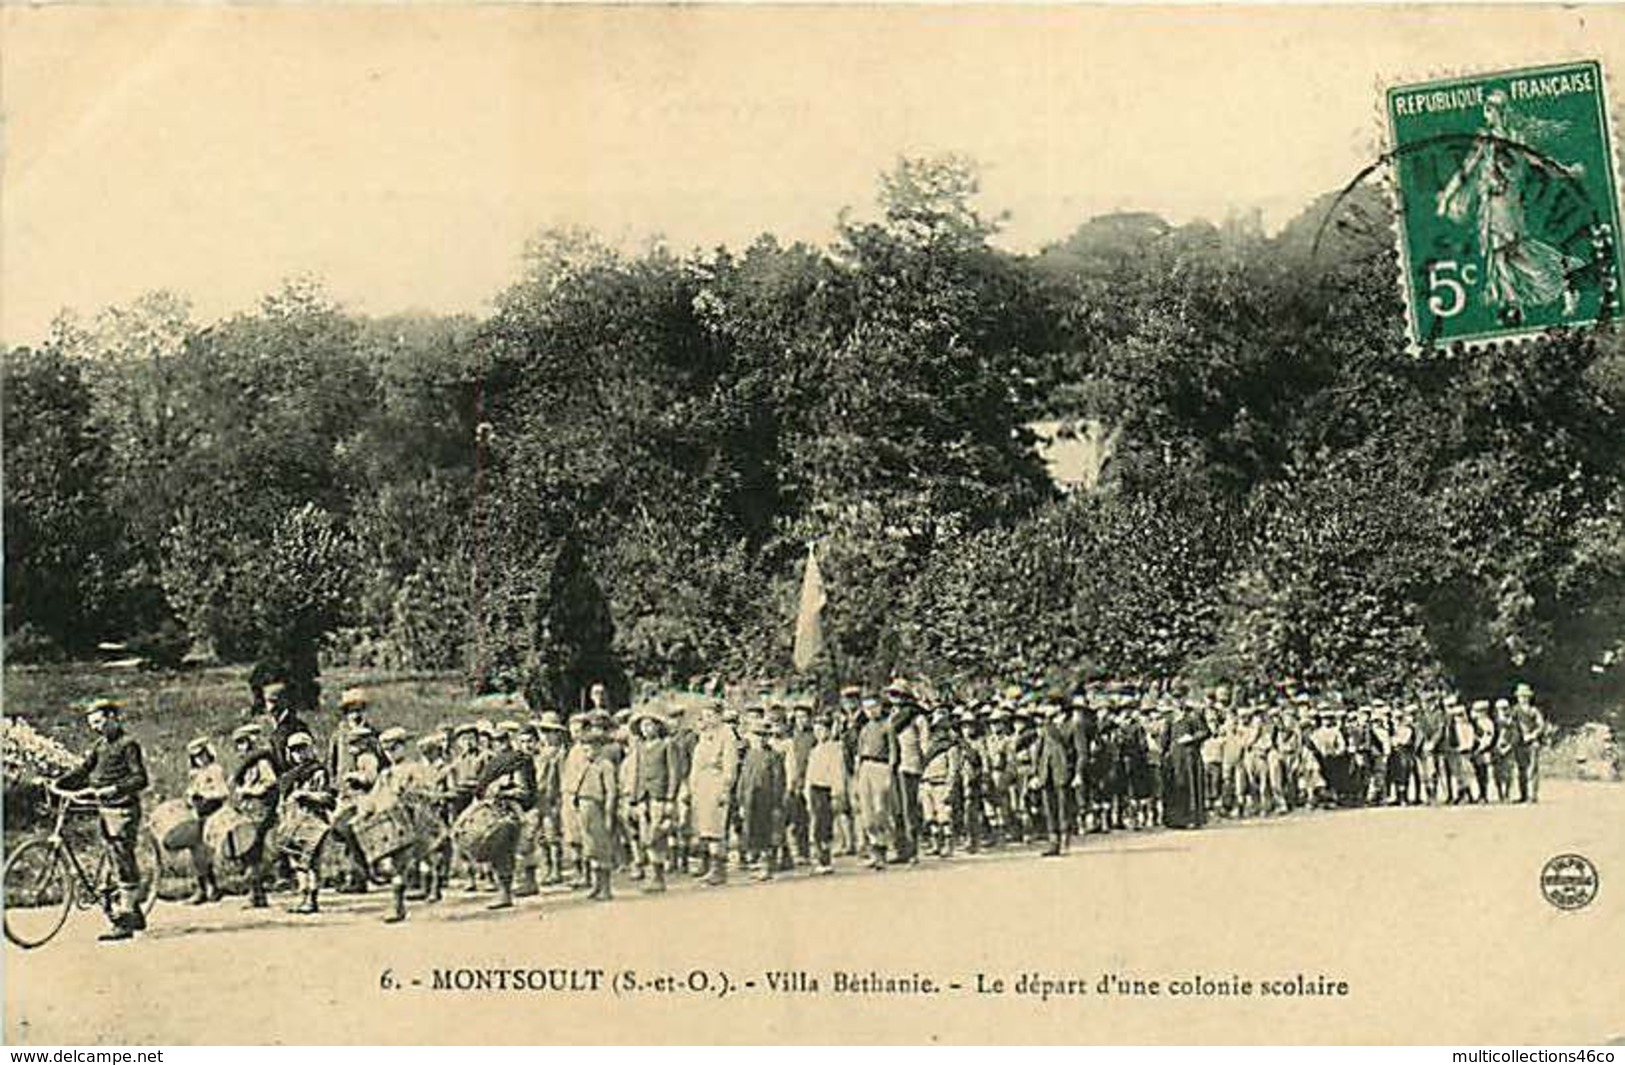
{"points": [[1508, 208]]}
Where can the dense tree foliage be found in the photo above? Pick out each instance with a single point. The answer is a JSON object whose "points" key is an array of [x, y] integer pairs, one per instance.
{"points": [[615, 473]]}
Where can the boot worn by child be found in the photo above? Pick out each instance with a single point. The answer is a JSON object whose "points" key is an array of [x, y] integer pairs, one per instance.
{"points": [[397, 911]]}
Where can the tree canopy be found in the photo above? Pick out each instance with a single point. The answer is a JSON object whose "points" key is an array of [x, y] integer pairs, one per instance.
{"points": [[614, 474]]}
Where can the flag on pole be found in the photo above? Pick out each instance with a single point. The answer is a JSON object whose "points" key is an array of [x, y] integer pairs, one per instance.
{"points": [[809, 620]]}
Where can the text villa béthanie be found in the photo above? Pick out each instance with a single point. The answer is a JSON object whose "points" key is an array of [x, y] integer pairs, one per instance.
{"points": [[1043, 986]]}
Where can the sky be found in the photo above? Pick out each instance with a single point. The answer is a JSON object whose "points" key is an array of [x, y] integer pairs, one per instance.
{"points": [[404, 154]]}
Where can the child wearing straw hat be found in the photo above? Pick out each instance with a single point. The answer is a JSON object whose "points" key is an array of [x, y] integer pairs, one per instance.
{"points": [[206, 792], [551, 736], [595, 796], [655, 779]]}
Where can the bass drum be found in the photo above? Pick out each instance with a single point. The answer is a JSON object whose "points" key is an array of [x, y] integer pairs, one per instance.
{"points": [[382, 829], [175, 825], [484, 829], [300, 835], [230, 834], [428, 824]]}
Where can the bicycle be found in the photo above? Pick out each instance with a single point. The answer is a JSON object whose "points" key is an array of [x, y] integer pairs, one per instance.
{"points": [[44, 879]]}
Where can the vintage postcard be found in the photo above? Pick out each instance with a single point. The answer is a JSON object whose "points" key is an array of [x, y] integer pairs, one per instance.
{"points": [[925, 524]]}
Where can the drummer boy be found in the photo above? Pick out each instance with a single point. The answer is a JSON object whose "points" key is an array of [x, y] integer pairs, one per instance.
{"points": [[308, 802]]}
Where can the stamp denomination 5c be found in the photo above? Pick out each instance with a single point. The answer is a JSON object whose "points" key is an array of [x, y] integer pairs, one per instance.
{"points": [[1508, 209]]}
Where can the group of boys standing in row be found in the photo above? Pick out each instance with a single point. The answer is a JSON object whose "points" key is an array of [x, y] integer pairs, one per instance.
{"points": [[695, 785]]}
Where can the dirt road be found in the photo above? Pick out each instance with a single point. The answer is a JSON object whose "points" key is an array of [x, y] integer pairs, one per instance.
{"points": [[1433, 918]]}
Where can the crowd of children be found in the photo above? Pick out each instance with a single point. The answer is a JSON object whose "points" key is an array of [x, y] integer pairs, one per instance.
{"points": [[699, 785]]}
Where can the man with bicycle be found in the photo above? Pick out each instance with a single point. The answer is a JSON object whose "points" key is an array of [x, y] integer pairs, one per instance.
{"points": [[114, 775]]}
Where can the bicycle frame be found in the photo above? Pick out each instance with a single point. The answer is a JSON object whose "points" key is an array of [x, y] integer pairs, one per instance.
{"points": [[85, 884]]}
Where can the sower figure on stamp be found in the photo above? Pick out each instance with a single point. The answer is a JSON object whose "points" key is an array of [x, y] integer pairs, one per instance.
{"points": [[1520, 270], [114, 774]]}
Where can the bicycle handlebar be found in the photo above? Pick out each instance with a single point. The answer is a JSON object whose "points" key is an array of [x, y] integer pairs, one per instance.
{"points": [[83, 797]]}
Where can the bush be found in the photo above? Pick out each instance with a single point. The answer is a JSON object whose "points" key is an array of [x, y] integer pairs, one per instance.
{"points": [[163, 648], [1590, 752], [29, 645]]}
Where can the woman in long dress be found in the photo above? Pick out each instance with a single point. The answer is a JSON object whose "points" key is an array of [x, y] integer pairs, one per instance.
{"points": [[1519, 270]]}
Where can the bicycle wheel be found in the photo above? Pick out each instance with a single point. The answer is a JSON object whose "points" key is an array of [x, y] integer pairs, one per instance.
{"points": [[149, 869], [38, 893]]}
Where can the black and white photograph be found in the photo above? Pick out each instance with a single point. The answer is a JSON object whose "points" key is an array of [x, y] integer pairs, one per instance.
{"points": [[779, 524]]}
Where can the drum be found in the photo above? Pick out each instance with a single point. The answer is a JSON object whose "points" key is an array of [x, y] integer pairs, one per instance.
{"points": [[382, 830], [427, 822], [175, 825], [230, 833], [483, 829], [301, 834]]}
